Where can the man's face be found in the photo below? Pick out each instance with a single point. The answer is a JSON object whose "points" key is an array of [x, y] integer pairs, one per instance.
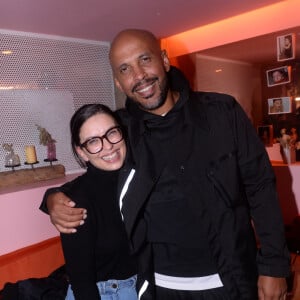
{"points": [[140, 68], [277, 103]]}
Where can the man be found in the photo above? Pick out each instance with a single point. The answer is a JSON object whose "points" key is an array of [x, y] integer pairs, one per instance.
{"points": [[202, 177], [277, 106]]}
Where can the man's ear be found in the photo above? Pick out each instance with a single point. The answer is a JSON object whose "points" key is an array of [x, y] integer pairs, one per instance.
{"points": [[166, 60], [81, 154]]}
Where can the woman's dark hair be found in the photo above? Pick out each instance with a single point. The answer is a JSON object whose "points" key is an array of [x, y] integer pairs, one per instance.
{"points": [[80, 116], [288, 37]]}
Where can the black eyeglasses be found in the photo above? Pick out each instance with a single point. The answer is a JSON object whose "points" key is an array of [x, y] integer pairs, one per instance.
{"points": [[95, 144]]}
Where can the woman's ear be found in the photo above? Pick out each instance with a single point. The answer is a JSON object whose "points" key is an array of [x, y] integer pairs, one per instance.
{"points": [[81, 154]]}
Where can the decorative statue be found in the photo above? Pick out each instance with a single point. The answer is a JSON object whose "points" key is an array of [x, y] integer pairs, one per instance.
{"points": [[47, 140], [285, 139], [288, 145], [11, 159]]}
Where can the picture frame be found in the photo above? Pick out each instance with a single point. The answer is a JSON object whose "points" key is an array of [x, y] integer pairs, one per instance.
{"points": [[279, 105], [297, 108], [265, 133], [277, 76], [286, 47]]}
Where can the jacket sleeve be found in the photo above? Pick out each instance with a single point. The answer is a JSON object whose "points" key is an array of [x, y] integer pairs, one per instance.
{"points": [[64, 189], [79, 253], [259, 183]]}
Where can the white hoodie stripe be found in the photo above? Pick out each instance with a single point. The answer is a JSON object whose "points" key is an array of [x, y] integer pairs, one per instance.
{"points": [[143, 289], [125, 188]]}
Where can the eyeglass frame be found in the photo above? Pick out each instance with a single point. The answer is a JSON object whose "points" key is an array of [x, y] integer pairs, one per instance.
{"points": [[104, 136]]}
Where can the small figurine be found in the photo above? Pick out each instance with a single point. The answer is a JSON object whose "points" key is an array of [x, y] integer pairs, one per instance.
{"points": [[287, 146], [11, 159]]}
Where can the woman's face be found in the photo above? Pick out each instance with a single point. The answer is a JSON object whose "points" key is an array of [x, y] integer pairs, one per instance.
{"points": [[287, 42], [277, 76], [112, 156]]}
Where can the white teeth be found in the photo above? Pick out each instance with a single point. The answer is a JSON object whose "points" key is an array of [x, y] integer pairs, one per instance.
{"points": [[109, 157], [145, 89]]}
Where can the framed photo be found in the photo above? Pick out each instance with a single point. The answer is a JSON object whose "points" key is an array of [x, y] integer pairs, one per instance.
{"points": [[286, 47], [298, 109], [280, 105], [281, 75], [265, 132]]}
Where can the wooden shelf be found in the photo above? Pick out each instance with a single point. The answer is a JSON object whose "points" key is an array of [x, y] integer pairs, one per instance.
{"points": [[26, 176]]}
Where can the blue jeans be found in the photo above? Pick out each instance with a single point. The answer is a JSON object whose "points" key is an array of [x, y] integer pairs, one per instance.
{"points": [[113, 289]]}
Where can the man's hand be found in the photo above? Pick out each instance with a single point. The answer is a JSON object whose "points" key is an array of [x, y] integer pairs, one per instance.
{"points": [[271, 288], [64, 216]]}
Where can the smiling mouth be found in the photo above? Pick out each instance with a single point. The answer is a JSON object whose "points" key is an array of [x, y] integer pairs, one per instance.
{"points": [[143, 87], [111, 157], [144, 90]]}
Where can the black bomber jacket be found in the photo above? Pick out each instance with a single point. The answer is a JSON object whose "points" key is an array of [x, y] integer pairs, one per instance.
{"points": [[225, 163]]}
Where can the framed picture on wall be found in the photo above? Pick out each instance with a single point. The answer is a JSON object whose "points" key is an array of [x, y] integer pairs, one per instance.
{"points": [[280, 105], [265, 132], [281, 75], [297, 108], [286, 47]]}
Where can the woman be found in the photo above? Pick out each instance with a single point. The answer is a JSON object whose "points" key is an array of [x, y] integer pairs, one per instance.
{"points": [[287, 50], [97, 255]]}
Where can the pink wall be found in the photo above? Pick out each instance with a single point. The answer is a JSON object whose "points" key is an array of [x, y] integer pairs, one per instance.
{"points": [[22, 223]]}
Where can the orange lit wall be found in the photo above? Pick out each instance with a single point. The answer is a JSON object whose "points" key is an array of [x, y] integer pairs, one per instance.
{"points": [[269, 19]]}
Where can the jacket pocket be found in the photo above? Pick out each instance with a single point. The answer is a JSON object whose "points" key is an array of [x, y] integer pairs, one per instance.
{"points": [[225, 176]]}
